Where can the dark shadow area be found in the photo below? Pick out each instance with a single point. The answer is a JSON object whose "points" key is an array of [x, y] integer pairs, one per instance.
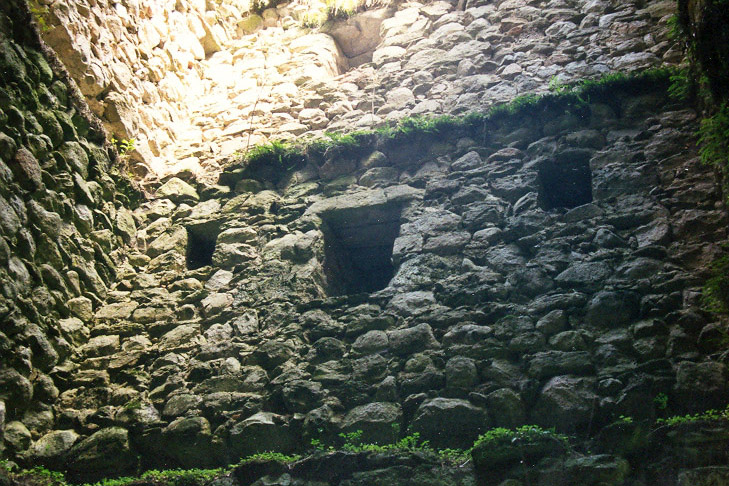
{"points": [[200, 247], [566, 180], [358, 249]]}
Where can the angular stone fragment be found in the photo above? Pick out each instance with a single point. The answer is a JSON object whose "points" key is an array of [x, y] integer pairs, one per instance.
{"points": [[375, 421], [566, 403], [411, 340], [52, 449], [26, 170], [178, 191], [263, 431], [105, 450], [449, 422]]}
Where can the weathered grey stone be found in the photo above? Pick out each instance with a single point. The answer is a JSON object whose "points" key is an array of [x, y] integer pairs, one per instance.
{"points": [[219, 280], [273, 353], [182, 337], [52, 449], [15, 389], [371, 342], [76, 157], [566, 403], [375, 420], [263, 431], [101, 346], [119, 310], [147, 315], [188, 440], [506, 408], [215, 303], [136, 413], [17, 436], [302, 395], [26, 170], [461, 372], [177, 191], [174, 239], [107, 449], [612, 309], [449, 422], [228, 255], [551, 363], [701, 385], [45, 356], [3, 413], [598, 468], [179, 404], [411, 340], [584, 273], [9, 221], [554, 322], [49, 221], [703, 476]]}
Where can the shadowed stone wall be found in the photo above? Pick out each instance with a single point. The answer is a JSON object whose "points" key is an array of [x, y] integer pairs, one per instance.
{"points": [[61, 223]]}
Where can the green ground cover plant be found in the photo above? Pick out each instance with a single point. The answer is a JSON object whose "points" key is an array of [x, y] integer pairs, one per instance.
{"points": [[498, 444]]}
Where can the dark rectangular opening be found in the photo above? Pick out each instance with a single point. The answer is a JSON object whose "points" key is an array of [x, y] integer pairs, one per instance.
{"points": [[200, 247], [358, 248], [565, 181]]}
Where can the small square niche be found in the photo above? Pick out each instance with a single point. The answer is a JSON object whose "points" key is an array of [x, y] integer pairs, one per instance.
{"points": [[200, 247], [358, 246], [565, 181]]}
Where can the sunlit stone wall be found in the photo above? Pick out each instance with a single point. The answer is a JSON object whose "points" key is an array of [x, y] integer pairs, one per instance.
{"points": [[186, 79]]}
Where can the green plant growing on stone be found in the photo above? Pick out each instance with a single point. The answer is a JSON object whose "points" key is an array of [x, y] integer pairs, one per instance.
{"points": [[523, 433], [342, 9], [40, 14], [517, 105], [714, 139], [122, 481], [277, 156], [661, 401], [270, 456], [124, 146], [557, 87], [314, 19], [708, 415], [681, 85], [675, 28], [135, 404], [715, 294], [524, 445], [171, 477], [319, 445], [258, 6], [625, 419], [47, 476], [341, 145], [352, 442], [332, 10], [282, 154]]}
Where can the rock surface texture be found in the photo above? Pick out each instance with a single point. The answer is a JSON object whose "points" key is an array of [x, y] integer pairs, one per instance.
{"points": [[545, 268]]}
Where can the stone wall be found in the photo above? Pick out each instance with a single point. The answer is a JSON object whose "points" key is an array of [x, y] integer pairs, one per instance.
{"points": [[196, 83], [541, 267], [545, 268], [61, 221]]}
